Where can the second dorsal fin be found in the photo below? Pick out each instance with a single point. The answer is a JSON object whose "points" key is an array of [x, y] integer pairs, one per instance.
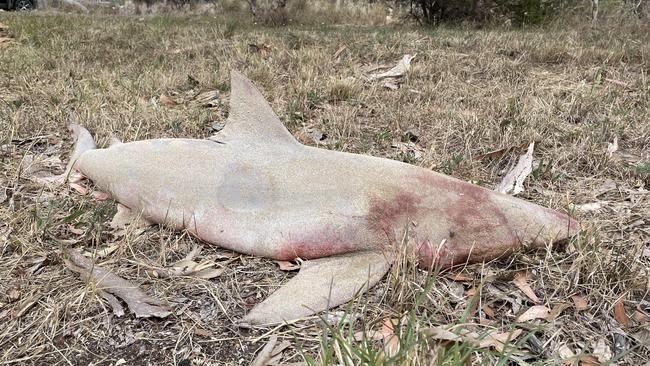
{"points": [[251, 116]]}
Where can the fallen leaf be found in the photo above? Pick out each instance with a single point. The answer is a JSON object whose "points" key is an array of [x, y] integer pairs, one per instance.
{"points": [[265, 354], [513, 181], [498, 341], [288, 265], [117, 308], [620, 315], [534, 312], [557, 310], [602, 351], [167, 101], [391, 341], [488, 311], [24, 306], [582, 360], [459, 277], [396, 72], [521, 281], [203, 333], [392, 85], [102, 251], [76, 231], [13, 294], [271, 354], [141, 304], [442, 334], [579, 303]]}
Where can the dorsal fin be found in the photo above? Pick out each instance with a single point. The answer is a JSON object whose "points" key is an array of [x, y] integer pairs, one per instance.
{"points": [[250, 115]]}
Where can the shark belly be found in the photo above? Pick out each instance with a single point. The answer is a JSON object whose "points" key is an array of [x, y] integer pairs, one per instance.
{"points": [[256, 204]]}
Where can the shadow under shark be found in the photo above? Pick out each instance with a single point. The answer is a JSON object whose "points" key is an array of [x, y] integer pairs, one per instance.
{"points": [[255, 190]]}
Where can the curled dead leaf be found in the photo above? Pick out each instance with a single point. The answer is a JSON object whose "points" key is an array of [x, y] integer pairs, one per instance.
{"points": [[579, 303], [391, 341], [167, 101], [499, 341], [534, 312], [521, 281], [620, 315]]}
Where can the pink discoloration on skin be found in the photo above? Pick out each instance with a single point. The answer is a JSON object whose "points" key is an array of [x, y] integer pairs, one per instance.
{"points": [[479, 228], [319, 244], [386, 215]]}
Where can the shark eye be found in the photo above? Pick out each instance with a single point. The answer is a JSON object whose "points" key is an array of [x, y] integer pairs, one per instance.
{"points": [[451, 233]]}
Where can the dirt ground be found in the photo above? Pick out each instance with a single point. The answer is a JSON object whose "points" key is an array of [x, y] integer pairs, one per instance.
{"points": [[470, 104]]}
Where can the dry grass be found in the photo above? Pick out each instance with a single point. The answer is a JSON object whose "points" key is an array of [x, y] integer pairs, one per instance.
{"points": [[469, 92]]}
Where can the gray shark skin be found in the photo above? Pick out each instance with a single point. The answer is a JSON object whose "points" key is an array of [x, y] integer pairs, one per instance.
{"points": [[255, 190]]}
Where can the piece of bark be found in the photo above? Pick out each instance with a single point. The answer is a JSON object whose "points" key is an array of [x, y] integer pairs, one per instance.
{"points": [[141, 304]]}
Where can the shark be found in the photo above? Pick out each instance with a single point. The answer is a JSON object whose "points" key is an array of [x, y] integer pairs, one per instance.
{"points": [[254, 189]]}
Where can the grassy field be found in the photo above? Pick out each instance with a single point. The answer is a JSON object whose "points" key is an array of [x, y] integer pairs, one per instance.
{"points": [[572, 89]]}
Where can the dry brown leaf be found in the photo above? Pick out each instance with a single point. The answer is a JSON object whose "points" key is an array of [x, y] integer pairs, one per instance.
{"points": [[521, 281], [270, 354], [141, 304], [203, 333], [557, 310], [498, 341], [488, 311], [24, 306], [620, 315], [76, 231], [287, 265], [441, 333], [582, 360], [167, 101], [459, 277], [579, 303], [391, 341], [13, 294], [117, 308], [534, 312]]}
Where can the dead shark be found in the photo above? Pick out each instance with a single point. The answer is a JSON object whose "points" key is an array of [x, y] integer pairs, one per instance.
{"points": [[255, 190]]}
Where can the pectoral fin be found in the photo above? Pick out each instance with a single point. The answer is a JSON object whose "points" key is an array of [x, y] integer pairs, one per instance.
{"points": [[321, 284]]}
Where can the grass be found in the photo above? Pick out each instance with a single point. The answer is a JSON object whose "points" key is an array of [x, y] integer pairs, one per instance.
{"points": [[469, 92]]}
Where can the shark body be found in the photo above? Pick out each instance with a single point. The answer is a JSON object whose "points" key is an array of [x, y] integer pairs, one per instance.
{"points": [[254, 189]]}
